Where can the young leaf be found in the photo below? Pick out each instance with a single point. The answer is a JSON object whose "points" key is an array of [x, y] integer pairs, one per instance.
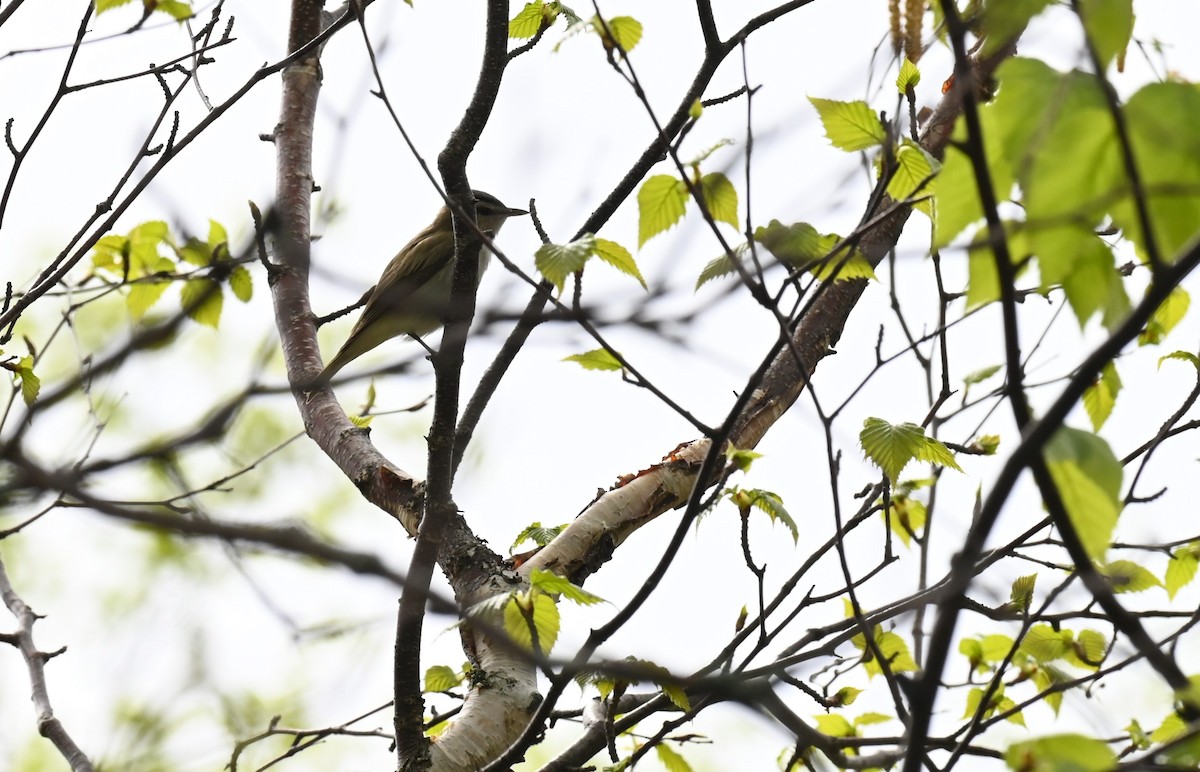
{"points": [[906, 517], [440, 678], [866, 719], [623, 32], [558, 261], [143, 294], [661, 202], [850, 126], [535, 607], [618, 257], [1182, 568], [550, 582], [1088, 477], [1128, 576], [202, 301], [538, 534], [1088, 650], [740, 458], [1109, 25], [1021, 594], [769, 503], [797, 245], [1169, 314], [241, 284], [716, 268], [720, 198], [106, 5], [31, 385], [596, 359], [891, 447], [1004, 19], [527, 22], [1063, 752], [834, 725], [913, 177], [908, 78], [1186, 356], [1100, 398], [671, 760], [1045, 644]]}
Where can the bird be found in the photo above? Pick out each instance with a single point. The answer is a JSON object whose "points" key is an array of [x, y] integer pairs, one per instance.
{"points": [[413, 294]]}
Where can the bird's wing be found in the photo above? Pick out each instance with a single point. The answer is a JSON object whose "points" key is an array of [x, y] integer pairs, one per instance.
{"points": [[400, 278]]}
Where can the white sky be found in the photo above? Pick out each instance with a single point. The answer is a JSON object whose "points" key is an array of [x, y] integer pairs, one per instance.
{"points": [[563, 132]]}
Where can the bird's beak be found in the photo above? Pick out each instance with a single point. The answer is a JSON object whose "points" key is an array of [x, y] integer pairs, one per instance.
{"points": [[515, 212]]}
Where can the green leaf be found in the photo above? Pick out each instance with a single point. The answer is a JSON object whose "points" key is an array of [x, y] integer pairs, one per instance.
{"points": [[176, 9], [1109, 25], [1173, 726], [550, 582], [771, 504], [544, 613], [1101, 396], [973, 651], [1186, 356], [1128, 576], [797, 246], [624, 31], [596, 359], [891, 447], [894, 650], [913, 177], [1004, 705], [1138, 737], [361, 421], [671, 760], [1045, 644], [983, 280], [1004, 19], [1088, 650], [995, 647], [866, 719], [440, 678], [1161, 117], [538, 534], [834, 725], [1061, 753], [850, 126], [696, 110], [105, 5], [143, 294], [720, 198], [1088, 477], [31, 385], [527, 22], [1182, 568], [716, 268], [845, 696], [740, 458], [558, 261], [907, 517], [974, 697], [241, 284], [908, 78], [618, 257], [202, 300], [661, 202], [1045, 677], [1165, 317], [981, 375], [1021, 594]]}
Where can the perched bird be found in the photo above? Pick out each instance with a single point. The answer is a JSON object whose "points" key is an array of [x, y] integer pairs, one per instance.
{"points": [[413, 295]]}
